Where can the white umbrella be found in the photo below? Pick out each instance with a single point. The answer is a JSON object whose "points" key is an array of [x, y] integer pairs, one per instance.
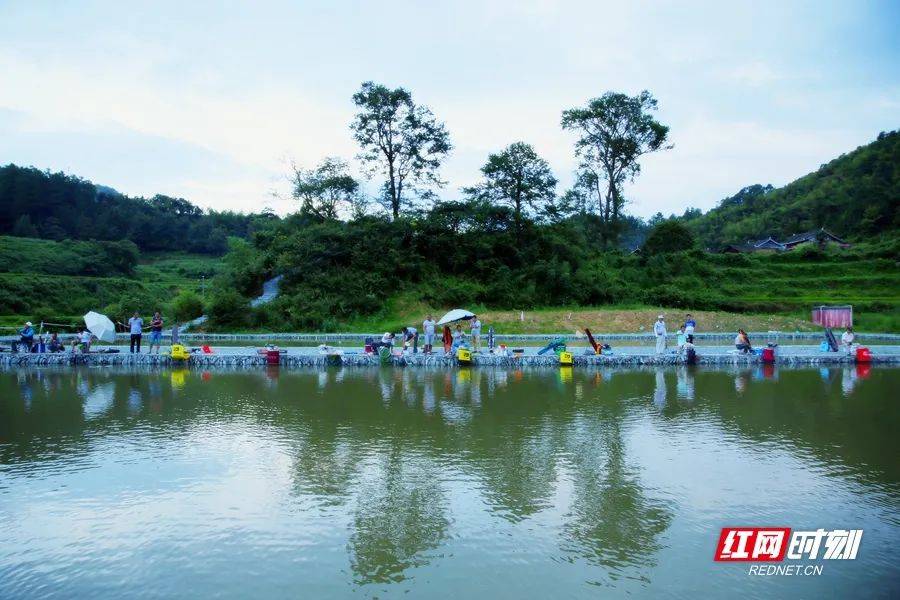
{"points": [[100, 326], [457, 314]]}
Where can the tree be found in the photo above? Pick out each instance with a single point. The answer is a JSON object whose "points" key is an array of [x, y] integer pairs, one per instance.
{"points": [[186, 306], [399, 139], [668, 236], [517, 177], [326, 191], [615, 131], [24, 227]]}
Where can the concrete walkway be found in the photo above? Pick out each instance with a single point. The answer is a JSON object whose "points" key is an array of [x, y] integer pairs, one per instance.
{"points": [[233, 356]]}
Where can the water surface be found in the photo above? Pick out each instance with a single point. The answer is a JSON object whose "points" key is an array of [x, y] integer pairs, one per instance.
{"points": [[444, 483]]}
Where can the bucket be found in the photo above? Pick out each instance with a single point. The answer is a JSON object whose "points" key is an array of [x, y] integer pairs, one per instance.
{"points": [[179, 352], [273, 357], [863, 355], [566, 359], [768, 355], [464, 356], [384, 356]]}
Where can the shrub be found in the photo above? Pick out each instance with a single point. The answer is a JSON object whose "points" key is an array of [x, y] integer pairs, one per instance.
{"points": [[229, 309], [186, 306], [668, 236]]}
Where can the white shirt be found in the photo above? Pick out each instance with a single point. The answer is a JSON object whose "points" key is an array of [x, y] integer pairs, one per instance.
{"points": [[135, 323], [659, 328], [428, 326], [85, 337], [476, 326], [386, 339], [847, 338]]}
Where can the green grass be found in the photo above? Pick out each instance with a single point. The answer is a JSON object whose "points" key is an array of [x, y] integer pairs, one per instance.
{"points": [[27, 291], [189, 271], [755, 291]]}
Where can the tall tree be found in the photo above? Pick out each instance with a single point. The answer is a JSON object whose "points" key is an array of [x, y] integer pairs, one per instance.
{"points": [[399, 139], [615, 130], [519, 178], [326, 191]]}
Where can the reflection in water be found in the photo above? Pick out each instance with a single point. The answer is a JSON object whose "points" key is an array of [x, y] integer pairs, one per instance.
{"points": [[400, 516], [659, 393], [397, 471], [685, 386], [741, 381], [99, 400], [613, 521]]}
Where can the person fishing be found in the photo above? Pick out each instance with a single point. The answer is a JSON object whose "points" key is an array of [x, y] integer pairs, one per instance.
{"points": [[742, 341], [26, 336], [690, 324], [411, 335], [55, 344], [428, 328], [135, 327], [447, 338], [476, 333], [848, 338], [156, 328], [659, 328]]}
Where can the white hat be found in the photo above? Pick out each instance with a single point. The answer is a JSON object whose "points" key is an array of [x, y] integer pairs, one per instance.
{"points": [[28, 323], [660, 317]]}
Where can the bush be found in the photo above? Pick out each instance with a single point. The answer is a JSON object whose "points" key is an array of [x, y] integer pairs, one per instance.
{"points": [[229, 309], [186, 306], [668, 236]]}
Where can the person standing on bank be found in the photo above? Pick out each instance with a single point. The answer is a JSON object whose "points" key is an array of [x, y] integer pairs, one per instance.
{"points": [[659, 328], [690, 325], [476, 334], [26, 336], [156, 327], [136, 327], [428, 328]]}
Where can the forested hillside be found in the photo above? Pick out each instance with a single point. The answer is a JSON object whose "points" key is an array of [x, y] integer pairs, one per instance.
{"points": [[856, 196], [56, 206]]}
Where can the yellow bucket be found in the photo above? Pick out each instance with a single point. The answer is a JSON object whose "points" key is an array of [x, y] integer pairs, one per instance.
{"points": [[464, 356], [566, 359], [179, 352]]}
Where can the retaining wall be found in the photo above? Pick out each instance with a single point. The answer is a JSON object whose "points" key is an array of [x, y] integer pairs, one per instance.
{"points": [[300, 360]]}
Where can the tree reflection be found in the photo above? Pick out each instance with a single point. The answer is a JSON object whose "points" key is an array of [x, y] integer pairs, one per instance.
{"points": [[400, 516], [613, 522], [386, 450]]}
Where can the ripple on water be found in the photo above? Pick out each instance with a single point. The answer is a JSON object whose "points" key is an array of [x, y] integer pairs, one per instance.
{"points": [[486, 483]]}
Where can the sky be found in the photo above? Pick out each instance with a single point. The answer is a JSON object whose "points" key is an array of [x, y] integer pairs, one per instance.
{"points": [[213, 101]]}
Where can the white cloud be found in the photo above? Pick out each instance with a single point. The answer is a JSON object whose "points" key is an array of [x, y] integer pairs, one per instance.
{"points": [[210, 105]]}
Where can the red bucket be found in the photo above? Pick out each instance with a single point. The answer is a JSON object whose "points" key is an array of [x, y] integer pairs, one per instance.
{"points": [[768, 355], [273, 357], [863, 355]]}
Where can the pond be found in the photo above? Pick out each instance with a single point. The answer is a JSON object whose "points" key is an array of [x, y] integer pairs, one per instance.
{"points": [[439, 483]]}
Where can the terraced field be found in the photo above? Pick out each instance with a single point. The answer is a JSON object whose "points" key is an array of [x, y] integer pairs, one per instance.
{"points": [[35, 282]]}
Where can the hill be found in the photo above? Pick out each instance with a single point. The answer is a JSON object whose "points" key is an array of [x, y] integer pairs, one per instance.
{"points": [[366, 271], [44, 280], [855, 196], [56, 206]]}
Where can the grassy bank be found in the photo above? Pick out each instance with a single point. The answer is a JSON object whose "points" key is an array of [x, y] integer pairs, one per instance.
{"points": [[609, 319], [43, 280]]}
